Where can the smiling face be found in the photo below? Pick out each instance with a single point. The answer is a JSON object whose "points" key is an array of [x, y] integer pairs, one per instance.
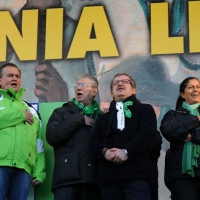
{"points": [[191, 93], [11, 77], [122, 89], [85, 93]]}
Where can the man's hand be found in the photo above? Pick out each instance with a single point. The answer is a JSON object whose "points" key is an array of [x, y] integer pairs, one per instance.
{"points": [[118, 155], [29, 117], [88, 121], [35, 183], [109, 155], [189, 137]]}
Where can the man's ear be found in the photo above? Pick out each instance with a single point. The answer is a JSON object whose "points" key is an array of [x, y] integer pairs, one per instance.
{"points": [[112, 95], [133, 90], [95, 90]]}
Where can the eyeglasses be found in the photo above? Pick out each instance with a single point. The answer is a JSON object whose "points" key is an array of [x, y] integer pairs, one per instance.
{"points": [[123, 81], [83, 85]]}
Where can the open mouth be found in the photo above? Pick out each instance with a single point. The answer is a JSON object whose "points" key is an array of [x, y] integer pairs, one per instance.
{"points": [[79, 94], [195, 95], [14, 84], [120, 88]]}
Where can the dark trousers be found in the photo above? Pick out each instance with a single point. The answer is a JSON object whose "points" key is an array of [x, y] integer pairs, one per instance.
{"points": [[154, 188], [133, 190], [185, 189], [83, 191]]}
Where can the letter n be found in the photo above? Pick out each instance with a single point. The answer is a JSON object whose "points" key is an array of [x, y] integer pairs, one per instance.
{"points": [[24, 43]]}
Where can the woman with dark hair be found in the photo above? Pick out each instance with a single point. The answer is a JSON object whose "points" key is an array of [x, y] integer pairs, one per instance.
{"points": [[182, 129]]}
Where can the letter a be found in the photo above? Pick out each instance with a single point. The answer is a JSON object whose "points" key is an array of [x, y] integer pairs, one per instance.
{"points": [[104, 41]]}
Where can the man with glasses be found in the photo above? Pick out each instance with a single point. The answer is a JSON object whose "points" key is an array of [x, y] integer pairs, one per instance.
{"points": [[69, 131], [120, 142]]}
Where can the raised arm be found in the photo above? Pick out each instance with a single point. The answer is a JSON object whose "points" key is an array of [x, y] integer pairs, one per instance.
{"points": [[11, 117], [61, 126], [176, 128]]}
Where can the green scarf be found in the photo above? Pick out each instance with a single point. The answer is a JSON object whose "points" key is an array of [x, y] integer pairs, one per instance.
{"points": [[91, 109], [127, 112], [191, 152]]}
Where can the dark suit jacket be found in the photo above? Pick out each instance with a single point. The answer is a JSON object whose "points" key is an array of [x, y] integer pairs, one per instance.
{"points": [[138, 135]]}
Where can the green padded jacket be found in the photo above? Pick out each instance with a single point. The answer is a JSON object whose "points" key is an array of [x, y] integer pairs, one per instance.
{"points": [[21, 144]]}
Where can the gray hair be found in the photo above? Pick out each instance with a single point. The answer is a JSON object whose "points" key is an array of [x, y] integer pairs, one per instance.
{"points": [[8, 65], [93, 80]]}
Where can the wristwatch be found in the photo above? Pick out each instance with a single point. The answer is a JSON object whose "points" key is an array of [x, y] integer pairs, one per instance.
{"points": [[125, 151]]}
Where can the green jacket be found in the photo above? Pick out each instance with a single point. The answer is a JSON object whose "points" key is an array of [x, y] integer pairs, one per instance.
{"points": [[21, 144]]}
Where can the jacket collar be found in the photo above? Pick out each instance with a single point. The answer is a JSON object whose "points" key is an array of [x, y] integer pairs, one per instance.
{"points": [[10, 93], [185, 111], [130, 98], [71, 107], [182, 110]]}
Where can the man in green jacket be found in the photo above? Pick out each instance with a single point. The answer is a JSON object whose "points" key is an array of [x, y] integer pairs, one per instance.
{"points": [[21, 147]]}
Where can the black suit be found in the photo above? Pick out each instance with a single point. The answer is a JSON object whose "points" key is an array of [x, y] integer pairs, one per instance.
{"points": [[138, 135]]}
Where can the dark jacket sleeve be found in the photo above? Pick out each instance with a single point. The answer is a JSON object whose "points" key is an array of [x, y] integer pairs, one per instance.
{"points": [[154, 149], [97, 144], [62, 125], [146, 132], [175, 127], [196, 136]]}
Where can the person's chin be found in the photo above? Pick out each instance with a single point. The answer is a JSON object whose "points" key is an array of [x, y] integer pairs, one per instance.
{"points": [[15, 88], [120, 97], [120, 93], [79, 99], [194, 101]]}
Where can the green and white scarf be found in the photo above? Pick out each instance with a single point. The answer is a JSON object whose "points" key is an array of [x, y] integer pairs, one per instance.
{"points": [[123, 111]]}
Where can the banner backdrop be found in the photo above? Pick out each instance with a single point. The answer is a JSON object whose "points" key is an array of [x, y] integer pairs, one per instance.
{"points": [[157, 42]]}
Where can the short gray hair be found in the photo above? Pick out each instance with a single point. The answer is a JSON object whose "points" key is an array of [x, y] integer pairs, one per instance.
{"points": [[93, 79], [8, 65]]}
